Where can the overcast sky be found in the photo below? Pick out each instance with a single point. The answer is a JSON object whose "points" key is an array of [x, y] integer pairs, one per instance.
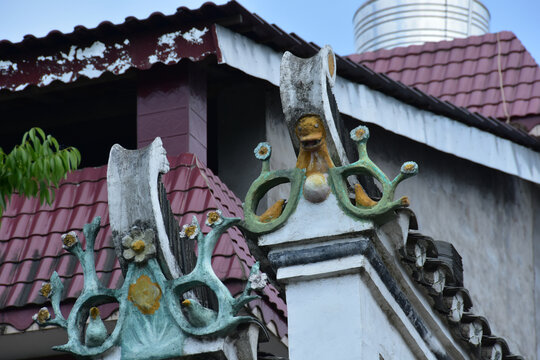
{"points": [[322, 22]]}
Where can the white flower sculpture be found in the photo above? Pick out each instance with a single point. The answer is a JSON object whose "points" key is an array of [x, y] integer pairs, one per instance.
{"points": [[191, 230], [42, 316], [359, 133], [410, 167], [258, 280], [138, 245], [213, 218], [263, 151], [69, 239]]}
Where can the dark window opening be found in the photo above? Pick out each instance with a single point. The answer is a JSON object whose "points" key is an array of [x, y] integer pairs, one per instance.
{"points": [[89, 115]]}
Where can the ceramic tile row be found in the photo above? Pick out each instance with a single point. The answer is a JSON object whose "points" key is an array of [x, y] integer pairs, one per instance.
{"points": [[465, 72]]}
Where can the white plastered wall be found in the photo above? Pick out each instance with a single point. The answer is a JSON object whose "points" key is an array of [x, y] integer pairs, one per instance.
{"points": [[361, 102]]}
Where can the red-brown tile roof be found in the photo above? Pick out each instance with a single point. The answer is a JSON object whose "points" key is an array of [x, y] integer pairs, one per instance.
{"points": [[465, 72], [30, 246]]}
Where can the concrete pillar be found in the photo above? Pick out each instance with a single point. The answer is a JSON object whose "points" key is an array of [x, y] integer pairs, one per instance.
{"points": [[171, 103], [338, 302]]}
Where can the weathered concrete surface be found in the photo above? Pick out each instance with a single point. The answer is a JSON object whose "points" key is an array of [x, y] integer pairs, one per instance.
{"points": [[488, 216], [277, 135], [491, 218], [342, 311], [318, 222], [240, 128], [536, 252], [255, 112]]}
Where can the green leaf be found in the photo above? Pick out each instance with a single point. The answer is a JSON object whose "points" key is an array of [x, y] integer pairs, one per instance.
{"points": [[35, 167], [41, 133], [58, 167], [55, 143]]}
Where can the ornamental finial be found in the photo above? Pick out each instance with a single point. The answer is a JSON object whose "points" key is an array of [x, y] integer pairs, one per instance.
{"points": [[322, 169], [159, 315]]}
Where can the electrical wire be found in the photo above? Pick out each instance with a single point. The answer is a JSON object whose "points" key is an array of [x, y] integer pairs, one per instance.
{"points": [[501, 83]]}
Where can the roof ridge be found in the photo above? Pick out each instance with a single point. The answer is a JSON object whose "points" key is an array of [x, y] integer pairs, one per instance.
{"points": [[224, 189], [129, 22]]}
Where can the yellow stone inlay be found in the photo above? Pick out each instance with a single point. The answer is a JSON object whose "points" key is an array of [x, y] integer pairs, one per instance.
{"points": [[263, 151], [313, 155], [405, 201], [317, 180], [69, 240], [145, 295], [213, 216], [331, 66], [138, 246], [360, 133], [409, 167], [190, 231], [362, 198], [273, 212], [94, 312], [46, 289], [43, 315]]}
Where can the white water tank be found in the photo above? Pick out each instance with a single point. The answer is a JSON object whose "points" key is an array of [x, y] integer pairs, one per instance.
{"points": [[384, 24]]}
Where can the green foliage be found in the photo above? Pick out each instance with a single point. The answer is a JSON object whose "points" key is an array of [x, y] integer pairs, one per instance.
{"points": [[35, 167]]}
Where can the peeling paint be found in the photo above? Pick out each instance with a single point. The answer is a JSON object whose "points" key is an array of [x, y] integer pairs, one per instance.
{"points": [[90, 71], [194, 59], [121, 46], [97, 49], [71, 55], [6, 64], [43, 58], [172, 57], [168, 39], [103, 56], [194, 35], [120, 66], [49, 78]]}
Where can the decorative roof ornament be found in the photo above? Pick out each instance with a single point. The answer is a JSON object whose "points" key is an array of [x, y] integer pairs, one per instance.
{"points": [[159, 316], [321, 170]]}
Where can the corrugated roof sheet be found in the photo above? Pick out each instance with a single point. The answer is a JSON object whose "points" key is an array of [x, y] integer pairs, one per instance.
{"points": [[31, 249], [466, 73]]}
